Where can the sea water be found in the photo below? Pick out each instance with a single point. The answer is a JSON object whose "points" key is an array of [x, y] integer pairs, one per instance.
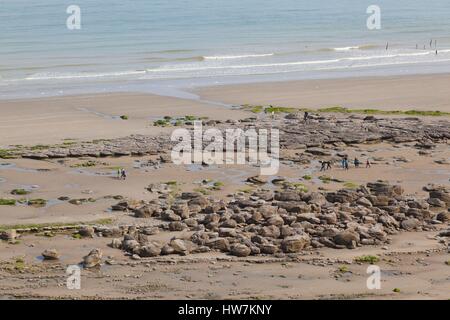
{"points": [[161, 45]]}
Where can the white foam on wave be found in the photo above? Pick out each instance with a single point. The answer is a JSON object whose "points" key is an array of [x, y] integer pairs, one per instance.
{"points": [[63, 76], [346, 48], [201, 68], [243, 56], [192, 67]]}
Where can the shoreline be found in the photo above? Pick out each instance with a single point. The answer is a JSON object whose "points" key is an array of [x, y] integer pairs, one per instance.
{"points": [[421, 92], [97, 116], [179, 89]]}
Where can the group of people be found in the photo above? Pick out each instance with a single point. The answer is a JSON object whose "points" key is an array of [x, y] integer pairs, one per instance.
{"points": [[356, 163], [326, 165], [121, 174]]}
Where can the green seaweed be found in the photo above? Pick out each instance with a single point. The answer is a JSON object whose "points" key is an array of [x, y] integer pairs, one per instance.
{"points": [[367, 259], [7, 202], [20, 192]]}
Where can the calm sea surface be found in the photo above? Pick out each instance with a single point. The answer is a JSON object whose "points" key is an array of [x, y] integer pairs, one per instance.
{"points": [[159, 45]]}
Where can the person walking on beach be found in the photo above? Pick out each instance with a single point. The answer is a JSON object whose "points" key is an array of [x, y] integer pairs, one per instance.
{"points": [[356, 162], [345, 163], [123, 174], [305, 116], [323, 164], [119, 173], [368, 165]]}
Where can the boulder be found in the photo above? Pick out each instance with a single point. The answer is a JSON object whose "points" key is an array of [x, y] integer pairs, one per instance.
{"points": [[130, 245], [181, 209], [268, 248], [441, 194], [443, 216], [179, 246], [257, 179], [275, 220], [410, 224], [169, 215], [364, 202], [116, 243], [93, 259], [221, 244], [149, 250], [200, 201], [86, 231], [287, 196], [177, 226], [240, 250], [270, 232], [227, 232], [435, 202], [295, 243], [146, 211], [347, 238]]}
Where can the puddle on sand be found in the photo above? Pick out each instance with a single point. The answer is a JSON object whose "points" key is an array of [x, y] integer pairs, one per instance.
{"points": [[12, 166], [49, 203], [53, 202], [94, 174]]}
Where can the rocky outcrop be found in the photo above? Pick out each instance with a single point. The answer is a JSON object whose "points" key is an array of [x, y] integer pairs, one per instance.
{"points": [[286, 221]]}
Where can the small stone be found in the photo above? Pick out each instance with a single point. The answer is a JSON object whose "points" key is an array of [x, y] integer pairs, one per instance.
{"points": [[87, 232], [9, 235], [50, 254]]}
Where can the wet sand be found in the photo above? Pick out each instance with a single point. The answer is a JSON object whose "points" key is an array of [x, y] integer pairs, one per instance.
{"points": [[419, 92]]}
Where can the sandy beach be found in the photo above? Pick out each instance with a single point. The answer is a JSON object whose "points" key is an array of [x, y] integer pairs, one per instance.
{"points": [[66, 152], [419, 92], [51, 120]]}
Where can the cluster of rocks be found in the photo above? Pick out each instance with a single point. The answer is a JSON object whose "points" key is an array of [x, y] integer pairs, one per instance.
{"points": [[283, 222], [354, 129], [320, 130], [136, 145]]}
